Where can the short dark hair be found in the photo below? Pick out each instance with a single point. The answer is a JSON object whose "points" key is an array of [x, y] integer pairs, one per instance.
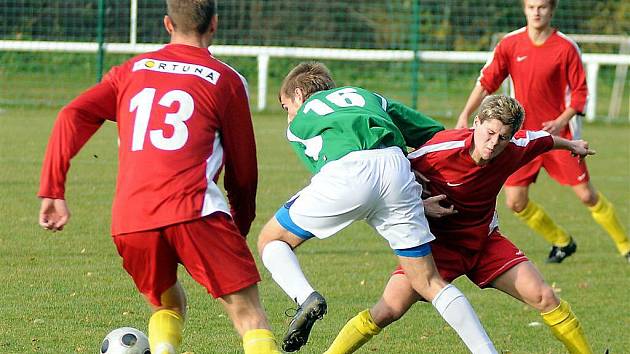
{"points": [[310, 77], [191, 15], [552, 3], [503, 108]]}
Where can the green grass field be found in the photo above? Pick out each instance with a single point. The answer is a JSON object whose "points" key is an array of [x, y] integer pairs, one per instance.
{"points": [[63, 292]]}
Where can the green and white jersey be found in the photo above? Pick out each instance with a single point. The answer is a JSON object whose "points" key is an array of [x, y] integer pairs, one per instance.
{"points": [[330, 124]]}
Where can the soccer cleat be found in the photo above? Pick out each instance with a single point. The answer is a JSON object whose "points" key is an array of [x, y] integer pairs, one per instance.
{"points": [[313, 309], [627, 256], [558, 254]]}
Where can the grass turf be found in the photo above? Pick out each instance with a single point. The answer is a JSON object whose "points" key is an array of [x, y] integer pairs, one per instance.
{"points": [[63, 292]]}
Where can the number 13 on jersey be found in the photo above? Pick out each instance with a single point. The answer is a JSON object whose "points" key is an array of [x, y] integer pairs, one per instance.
{"points": [[142, 104]]}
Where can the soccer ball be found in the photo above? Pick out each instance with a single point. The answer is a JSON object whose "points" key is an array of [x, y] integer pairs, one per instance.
{"points": [[125, 340]]}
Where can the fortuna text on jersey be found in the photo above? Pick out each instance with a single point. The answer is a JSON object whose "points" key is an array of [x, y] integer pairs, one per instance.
{"points": [[174, 67]]}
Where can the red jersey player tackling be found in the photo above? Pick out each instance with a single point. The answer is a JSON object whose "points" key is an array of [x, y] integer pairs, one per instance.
{"points": [[181, 115], [469, 167], [549, 81]]}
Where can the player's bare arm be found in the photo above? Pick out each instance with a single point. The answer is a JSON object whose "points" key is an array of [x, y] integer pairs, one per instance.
{"points": [[53, 214], [577, 147], [474, 100]]}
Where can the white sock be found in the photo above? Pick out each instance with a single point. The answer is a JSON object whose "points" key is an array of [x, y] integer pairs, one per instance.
{"points": [[457, 311], [285, 270]]}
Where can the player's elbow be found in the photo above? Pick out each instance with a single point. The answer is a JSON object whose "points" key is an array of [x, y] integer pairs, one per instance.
{"points": [[69, 112], [77, 115]]}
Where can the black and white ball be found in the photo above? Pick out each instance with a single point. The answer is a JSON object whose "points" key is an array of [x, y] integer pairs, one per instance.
{"points": [[125, 340]]}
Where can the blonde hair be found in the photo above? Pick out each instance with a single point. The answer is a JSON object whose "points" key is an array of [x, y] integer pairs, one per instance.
{"points": [[310, 77], [505, 109], [191, 15]]}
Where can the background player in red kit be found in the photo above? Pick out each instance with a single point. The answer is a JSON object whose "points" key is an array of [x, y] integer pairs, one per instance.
{"points": [[550, 83], [469, 166], [182, 115]]}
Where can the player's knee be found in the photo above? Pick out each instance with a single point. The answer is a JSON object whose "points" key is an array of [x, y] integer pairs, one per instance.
{"points": [[588, 197], [516, 204], [545, 299], [261, 243], [549, 299], [384, 315], [266, 235]]}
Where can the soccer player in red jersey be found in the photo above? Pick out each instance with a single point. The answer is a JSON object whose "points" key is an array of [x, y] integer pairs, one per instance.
{"points": [[469, 166], [182, 116], [353, 140], [550, 83]]}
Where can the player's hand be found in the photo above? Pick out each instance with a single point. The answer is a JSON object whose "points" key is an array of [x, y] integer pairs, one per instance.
{"points": [[423, 180], [420, 178], [553, 127], [580, 148], [433, 208], [53, 214]]}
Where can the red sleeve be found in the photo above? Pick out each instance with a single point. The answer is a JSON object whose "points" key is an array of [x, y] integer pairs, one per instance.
{"points": [[241, 169], [495, 70], [577, 80], [532, 144], [75, 124]]}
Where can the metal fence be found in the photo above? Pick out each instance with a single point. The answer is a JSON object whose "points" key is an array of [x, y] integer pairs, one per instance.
{"points": [[27, 74]]}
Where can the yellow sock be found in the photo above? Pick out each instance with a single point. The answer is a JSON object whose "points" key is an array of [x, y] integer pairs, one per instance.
{"points": [[537, 219], [165, 331], [259, 341], [566, 327], [604, 213], [356, 332]]}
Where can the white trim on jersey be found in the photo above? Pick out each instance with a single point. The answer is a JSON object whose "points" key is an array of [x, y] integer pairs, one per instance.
{"points": [[487, 64], [575, 127], [243, 79], [436, 147], [515, 32], [213, 199], [529, 136], [491, 57], [575, 123], [565, 37], [494, 223], [313, 145], [383, 102], [456, 144]]}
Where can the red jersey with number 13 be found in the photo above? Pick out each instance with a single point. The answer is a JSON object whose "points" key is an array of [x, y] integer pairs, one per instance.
{"points": [[181, 115]]}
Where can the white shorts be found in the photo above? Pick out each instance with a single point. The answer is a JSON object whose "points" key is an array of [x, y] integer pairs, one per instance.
{"points": [[375, 185]]}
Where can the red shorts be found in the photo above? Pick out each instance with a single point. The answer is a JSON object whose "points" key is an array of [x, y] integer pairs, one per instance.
{"points": [[211, 249], [483, 266], [560, 165]]}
